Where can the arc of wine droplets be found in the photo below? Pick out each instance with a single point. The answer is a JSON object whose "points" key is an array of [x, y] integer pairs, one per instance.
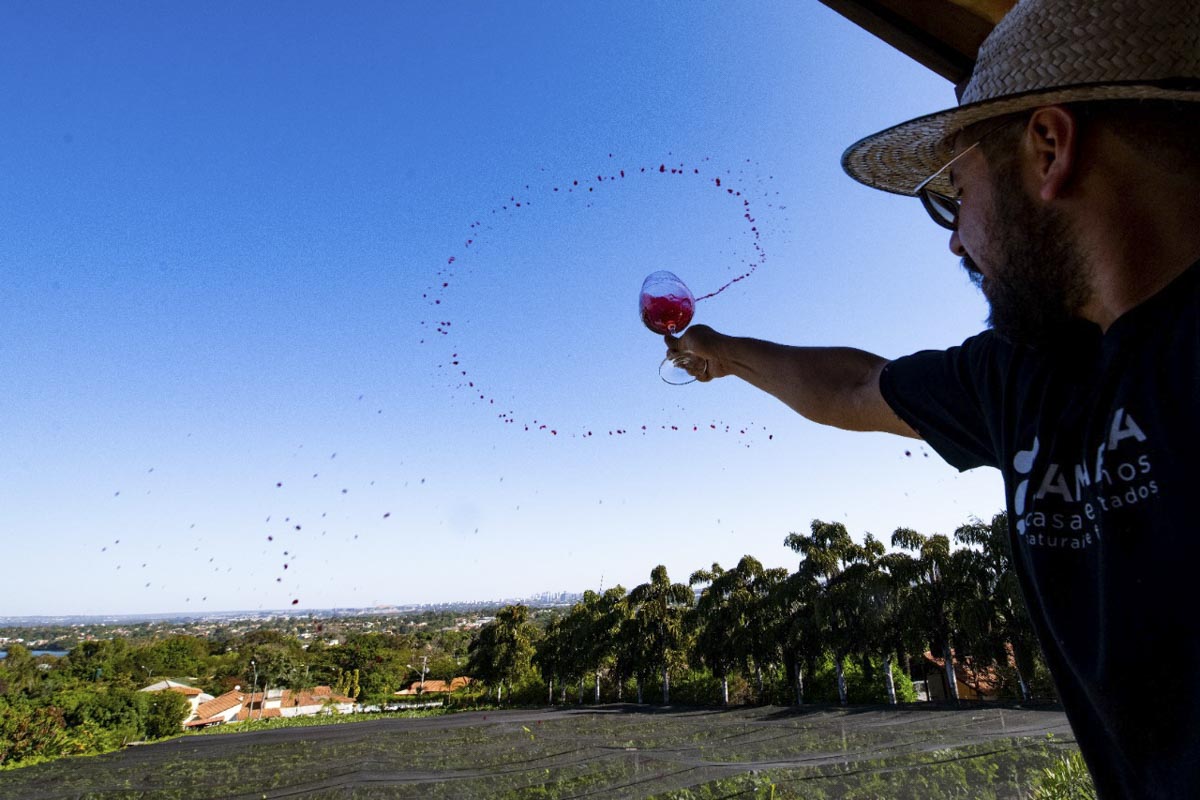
{"points": [[447, 273]]}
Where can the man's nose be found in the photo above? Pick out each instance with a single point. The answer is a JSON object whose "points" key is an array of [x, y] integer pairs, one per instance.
{"points": [[956, 245]]}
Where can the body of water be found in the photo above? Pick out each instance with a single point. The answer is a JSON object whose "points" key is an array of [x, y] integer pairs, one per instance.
{"points": [[55, 653]]}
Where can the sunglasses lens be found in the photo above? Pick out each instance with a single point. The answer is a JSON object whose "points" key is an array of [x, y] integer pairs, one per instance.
{"points": [[943, 209]]}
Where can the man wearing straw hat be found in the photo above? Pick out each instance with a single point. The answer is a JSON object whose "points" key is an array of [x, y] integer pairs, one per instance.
{"points": [[1069, 179]]}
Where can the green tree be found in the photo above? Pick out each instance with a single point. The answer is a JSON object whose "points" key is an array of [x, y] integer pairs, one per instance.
{"points": [[444, 667], [598, 627], [224, 671], [221, 640], [826, 553], [873, 598], [454, 644], [382, 660], [632, 654], [937, 581], [502, 653], [897, 615], [261, 636], [577, 645], [570, 644], [715, 622], [346, 684], [657, 611], [277, 666], [764, 623], [165, 713], [101, 659], [18, 672], [176, 656], [799, 627], [552, 655], [995, 615], [734, 621], [117, 712], [318, 660]]}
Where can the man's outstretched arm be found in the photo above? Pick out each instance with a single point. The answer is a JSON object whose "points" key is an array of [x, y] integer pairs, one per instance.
{"points": [[836, 386]]}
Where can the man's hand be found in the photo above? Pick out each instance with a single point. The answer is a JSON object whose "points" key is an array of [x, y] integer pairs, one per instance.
{"points": [[698, 351]]}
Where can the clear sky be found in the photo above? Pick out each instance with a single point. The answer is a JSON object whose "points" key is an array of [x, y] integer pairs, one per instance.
{"points": [[226, 243]]}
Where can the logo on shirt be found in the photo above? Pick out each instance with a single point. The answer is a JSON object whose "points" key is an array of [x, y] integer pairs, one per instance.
{"points": [[1061, 506]]}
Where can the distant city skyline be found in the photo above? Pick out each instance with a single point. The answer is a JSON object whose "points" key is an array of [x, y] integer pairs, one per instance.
{"points": [[540, 599]]}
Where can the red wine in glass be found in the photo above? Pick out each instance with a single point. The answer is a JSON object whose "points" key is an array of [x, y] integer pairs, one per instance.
{"points": [[667, 306]]}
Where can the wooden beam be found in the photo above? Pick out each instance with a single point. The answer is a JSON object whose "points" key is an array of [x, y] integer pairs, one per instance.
{"points": [[943, 35]]}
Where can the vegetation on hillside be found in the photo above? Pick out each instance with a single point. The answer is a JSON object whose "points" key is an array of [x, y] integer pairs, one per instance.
{"points": [[628, 751], [89, 700], [844, 626]]}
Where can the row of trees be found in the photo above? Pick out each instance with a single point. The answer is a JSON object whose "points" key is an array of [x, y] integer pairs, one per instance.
{"points": [[847, 602]]}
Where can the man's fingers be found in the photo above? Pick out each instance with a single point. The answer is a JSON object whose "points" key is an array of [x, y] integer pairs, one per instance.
{"points": [[690, 351], [699, 368], [675, 347]]}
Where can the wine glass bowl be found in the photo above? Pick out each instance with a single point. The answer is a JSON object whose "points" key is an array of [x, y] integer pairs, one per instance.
{"points": [[666, 303], [667, 306]]}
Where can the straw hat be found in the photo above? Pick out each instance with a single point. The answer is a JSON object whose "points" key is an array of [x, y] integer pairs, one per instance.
{"points": [[1042, 53]]}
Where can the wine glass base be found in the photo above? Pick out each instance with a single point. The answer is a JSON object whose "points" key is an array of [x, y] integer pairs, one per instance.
{"points": [[672, 371]]}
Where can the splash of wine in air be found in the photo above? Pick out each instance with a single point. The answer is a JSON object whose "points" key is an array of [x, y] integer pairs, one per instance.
{"points": [[734, 199]]}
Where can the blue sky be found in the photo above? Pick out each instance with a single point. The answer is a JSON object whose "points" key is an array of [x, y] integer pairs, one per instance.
{"points": [[226, 233]]}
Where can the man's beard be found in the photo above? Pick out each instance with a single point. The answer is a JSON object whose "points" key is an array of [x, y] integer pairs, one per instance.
{"points": [[1039, 280]]}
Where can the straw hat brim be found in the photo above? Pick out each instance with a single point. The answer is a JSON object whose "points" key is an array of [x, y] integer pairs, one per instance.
{"points": [[897, 159]]}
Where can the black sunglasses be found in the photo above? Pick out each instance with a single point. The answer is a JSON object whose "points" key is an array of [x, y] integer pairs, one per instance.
{"points": [[943, 209]]}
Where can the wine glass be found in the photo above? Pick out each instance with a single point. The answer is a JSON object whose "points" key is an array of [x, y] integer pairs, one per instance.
{"points": [[667, 306]]}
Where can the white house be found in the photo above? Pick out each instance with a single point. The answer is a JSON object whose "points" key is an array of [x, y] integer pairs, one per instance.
{"points": [[194, 696]]}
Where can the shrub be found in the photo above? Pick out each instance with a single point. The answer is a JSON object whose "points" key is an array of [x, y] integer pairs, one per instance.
{"points": [[860, 688], [27, 732], [119, 712], [531, 691], [165, 713], [1066, 780], [693, 688]]}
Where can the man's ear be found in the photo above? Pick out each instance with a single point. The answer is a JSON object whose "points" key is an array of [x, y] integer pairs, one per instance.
{"points": [[1052, 139]]}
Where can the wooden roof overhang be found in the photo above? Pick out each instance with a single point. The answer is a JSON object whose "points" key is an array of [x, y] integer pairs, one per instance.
{"points": [[943, 35]]}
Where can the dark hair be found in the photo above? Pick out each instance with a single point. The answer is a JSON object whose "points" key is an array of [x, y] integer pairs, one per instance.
{"points": [[1003, 135], [1164, 130]]}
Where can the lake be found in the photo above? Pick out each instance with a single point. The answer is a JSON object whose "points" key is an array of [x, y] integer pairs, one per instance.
{"points": [[55, 653]]}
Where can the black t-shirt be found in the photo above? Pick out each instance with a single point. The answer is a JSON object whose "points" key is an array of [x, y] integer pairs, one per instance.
{"points": [[1098, 439]]}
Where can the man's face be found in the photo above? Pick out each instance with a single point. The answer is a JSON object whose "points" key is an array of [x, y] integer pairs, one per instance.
{"points": [[1023, 256]]}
